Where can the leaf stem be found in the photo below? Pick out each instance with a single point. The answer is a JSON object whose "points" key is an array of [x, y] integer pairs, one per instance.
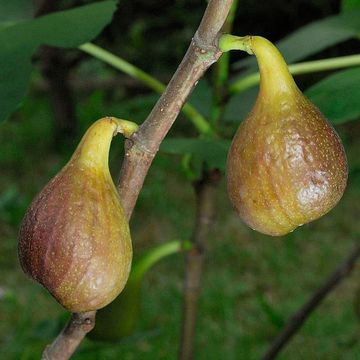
{"points": [[151, 257], [298, 69], [120, 64]]}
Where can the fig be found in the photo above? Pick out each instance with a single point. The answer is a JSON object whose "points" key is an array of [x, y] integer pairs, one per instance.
{"points": [[75, 238], [286, 165]]}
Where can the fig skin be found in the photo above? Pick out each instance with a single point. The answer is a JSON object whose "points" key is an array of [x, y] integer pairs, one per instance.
{"points": [[286, 165], [75, 237]]}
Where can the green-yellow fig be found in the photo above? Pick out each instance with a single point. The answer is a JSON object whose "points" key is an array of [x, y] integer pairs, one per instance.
{"points": [[286, 165], [74, 238]]}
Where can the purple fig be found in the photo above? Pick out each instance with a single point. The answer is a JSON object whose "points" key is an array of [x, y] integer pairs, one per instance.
{"points": [[74, 238]]}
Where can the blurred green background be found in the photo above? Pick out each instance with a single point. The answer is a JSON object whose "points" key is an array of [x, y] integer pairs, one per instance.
{"points": [[251, 282]]}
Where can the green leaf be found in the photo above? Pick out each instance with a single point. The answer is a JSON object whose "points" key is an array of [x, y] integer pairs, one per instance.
{"points": [[69, 28], [15, 10], [272, 314], [338, 95], [201, 98], [73, 27], [314, 37], [349, 5], [240, 105], [213, 151]]}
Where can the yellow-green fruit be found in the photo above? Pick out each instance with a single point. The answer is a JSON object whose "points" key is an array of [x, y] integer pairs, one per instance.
{"points": [[286, 165], [75, 237]]}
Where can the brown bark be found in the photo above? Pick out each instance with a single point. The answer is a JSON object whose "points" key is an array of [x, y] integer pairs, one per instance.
{"points": [[205, 204], [142, 148], [70, 337]]}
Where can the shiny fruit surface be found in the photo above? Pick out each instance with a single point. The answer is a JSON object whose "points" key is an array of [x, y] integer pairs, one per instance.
{"points": [[286, 165]]}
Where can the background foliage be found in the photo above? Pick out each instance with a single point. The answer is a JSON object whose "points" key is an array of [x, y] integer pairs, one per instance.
{"points": [[252, 283]]}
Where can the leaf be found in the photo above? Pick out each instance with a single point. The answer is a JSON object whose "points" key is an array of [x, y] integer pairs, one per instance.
{"points": [[272, 314], [15, 10], [213, 151], [69, 28], [348, 5], [240, 105], [314, 37], [338, 95], [73, 27], [201, 98]]}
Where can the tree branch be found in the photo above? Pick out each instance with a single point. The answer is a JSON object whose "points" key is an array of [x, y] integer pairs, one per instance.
{"points": [[142, 148], [205, 198], [70, 337], [297, 320]]}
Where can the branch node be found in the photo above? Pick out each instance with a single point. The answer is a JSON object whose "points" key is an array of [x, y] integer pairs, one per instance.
{"points": [[204, 48], [147, 147]]}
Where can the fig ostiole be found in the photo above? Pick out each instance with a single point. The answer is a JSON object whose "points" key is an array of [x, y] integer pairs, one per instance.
{"points": [[286, 165], [75, 238]]}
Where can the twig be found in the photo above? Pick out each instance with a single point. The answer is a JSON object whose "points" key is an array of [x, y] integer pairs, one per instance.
{"points": [[142, 148], [205, 193], [70, 337], [205, 196], [202, 53], [298, 319]]}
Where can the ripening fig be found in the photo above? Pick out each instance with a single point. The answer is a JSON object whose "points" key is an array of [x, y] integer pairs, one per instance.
{"points": [[74, 238], [286, 165]]}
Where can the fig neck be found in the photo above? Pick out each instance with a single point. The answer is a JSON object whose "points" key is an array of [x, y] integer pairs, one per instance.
{"points": [[275, 78], [94, 147]]}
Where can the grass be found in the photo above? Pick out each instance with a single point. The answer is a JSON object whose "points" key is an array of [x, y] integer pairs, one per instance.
{"points": [[252, 283]]}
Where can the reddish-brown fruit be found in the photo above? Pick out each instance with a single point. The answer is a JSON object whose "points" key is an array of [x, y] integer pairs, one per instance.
{"points": [[75, 237], [286, 165]]}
